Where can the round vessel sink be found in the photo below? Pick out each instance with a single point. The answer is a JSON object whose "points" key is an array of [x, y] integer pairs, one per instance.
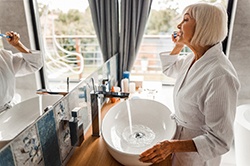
{"points": [[133, 126], [242, 134]]}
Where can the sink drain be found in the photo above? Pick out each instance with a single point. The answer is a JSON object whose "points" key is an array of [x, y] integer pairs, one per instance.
{"points": [[138, 135]]}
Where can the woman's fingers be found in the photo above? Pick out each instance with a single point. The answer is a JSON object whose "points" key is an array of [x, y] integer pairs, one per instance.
{"points": [[151, 155], [14, 37], [157, 153]]}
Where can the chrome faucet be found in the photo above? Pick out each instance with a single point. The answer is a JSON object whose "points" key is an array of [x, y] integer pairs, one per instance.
{"points": [[96, 104]]}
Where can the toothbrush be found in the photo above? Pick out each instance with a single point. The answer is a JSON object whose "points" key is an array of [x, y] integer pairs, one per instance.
{"points": [[175, 34], [3, 35]]}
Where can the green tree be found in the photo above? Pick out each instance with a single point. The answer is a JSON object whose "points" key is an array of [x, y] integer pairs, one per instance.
{"points": [[74, 22], [163, 18], [161, 21]]}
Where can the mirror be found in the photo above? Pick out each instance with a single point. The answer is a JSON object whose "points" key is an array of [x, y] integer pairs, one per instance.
{"points": [[27, 112], [30, 19], [28, 85]]}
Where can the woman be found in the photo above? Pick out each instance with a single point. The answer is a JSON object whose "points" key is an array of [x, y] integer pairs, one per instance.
{"points": [[12, 65], [205, 93]]}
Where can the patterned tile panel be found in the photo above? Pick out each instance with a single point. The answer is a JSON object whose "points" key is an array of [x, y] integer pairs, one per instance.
{"points": [[6, 157], [49, 141], [62, 116], [27, 149]]}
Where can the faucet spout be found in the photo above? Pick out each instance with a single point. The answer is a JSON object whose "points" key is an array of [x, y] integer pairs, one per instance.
{"points": [[96, 107], [96, 96]]}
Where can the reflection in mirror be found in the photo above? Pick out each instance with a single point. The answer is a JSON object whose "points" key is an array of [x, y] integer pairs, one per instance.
{"points": [[26, 113], [71, 46], [20, 58], [16, 119]]}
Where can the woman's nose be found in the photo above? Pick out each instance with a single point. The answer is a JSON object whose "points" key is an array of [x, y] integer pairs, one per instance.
{"points": [[179, 26]]}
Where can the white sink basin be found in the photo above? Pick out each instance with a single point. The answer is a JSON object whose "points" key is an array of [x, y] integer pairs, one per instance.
{"points": [[16, 119], [151, 123], [242, 134]]}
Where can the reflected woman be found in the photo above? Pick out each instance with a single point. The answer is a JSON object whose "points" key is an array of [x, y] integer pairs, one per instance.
{"points": [[205, 92], [12, 65]]}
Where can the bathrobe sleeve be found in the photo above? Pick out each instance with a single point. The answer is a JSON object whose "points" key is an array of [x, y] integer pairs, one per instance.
{"points": [[25, 63], [12, 65], [171, 64], [219, 112]]}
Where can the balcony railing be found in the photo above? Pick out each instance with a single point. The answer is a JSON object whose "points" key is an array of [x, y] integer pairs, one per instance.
{"points": [[146, 63]]}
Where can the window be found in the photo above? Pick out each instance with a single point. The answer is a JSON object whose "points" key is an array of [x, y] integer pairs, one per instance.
{"points": [[71, 47]]}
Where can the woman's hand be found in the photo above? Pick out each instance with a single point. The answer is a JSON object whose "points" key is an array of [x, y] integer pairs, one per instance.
{"points": [[14, 38], [161, 151], [157, 153], [178, 45]]}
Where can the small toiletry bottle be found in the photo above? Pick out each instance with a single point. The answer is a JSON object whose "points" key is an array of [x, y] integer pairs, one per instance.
{"points": [[132, 88], [125, 82], [113, 99], [125, 85], [126, 74], [73, 126], [105, 85], [76, 128]]}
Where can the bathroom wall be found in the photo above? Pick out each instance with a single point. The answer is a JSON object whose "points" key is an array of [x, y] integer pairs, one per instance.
{"points": [[47, 142], [239, 52]]}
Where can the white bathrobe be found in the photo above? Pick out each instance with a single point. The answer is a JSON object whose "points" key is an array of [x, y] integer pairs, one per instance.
{"points": [[205, 99], [12, 65]]}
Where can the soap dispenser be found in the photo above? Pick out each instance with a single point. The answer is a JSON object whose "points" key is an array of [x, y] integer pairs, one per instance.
{"points": [[76, 128]]}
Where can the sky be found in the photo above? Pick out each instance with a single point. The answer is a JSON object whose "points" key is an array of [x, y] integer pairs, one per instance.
{"points": [[65, 5], [181, 3], [81, 5]]}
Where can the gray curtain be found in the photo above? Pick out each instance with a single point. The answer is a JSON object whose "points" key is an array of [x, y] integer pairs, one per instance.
{"points": [[105, 16], [134, 16]]}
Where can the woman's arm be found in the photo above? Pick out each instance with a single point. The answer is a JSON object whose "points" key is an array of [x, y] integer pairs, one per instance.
{"points": [[22, 62], [177, 49], [170, 61], [22, 48]]}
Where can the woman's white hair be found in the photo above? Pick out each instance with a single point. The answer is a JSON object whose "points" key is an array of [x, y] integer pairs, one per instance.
{"points": [[211, 23]]}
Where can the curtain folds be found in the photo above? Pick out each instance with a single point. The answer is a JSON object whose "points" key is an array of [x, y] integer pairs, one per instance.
{"points": [[126, 42], [105, 16], [134, 16]]}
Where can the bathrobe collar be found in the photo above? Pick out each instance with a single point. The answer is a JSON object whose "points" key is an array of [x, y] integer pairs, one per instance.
{"points": [[206, 58]]}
